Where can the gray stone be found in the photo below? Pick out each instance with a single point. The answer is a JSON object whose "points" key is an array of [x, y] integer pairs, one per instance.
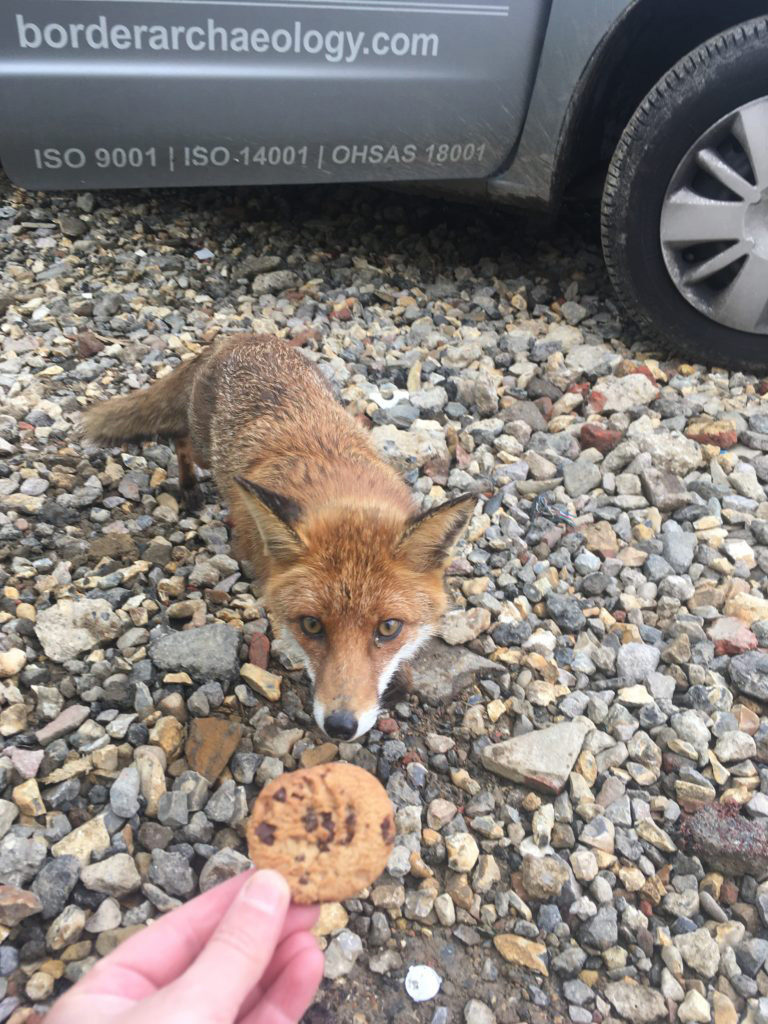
{"points": [[72, 626], [172, 873], [20, 858], [749, 674], [601, 931], [72, 227], [172, 809], [700, 952], [106, 917], [577, 992], [441, 672], [623, 393], [678, 548], [224, 864], [274, 281], [477, 1012], [227, 804], [67, 721], [341, 954], [208, 652], [663, 489], [751, 955], [581, 477], [423, 446], [735, 746], [542, 759], [567, 613], [195, 787], [116, 876], [9, 812], [569, 962], [124, 792], [758, 806], [670, 450], [54, 883], [635, 1002], [635, 662]]}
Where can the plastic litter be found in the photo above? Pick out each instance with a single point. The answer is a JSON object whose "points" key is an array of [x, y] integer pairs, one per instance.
{"points": [[388, 396], [543, 506], [422, 983]]}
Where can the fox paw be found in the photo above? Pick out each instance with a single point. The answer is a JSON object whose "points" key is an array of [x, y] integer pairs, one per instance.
{"points": [[192, 498]]}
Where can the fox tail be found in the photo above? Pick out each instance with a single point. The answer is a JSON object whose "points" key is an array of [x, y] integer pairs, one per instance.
{"points": [[157, 411]]}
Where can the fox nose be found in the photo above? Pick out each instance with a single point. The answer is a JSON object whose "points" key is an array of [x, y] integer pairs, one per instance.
{"points": [[340, 725]]}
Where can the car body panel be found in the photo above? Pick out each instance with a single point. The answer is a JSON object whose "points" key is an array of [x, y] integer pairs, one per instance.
{"points": [[134, 93], [576, 33]]}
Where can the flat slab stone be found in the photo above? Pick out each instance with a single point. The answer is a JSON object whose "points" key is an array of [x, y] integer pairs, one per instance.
{"points": [[211, 743], [542, 759], [208, 652], [441, 672]]}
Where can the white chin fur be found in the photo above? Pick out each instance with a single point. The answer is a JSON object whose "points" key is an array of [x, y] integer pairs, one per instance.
{"points": [[366, 722], [318, 712]]}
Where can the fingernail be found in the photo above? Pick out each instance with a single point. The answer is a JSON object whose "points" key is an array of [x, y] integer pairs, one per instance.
{"points": [[267, 890]]}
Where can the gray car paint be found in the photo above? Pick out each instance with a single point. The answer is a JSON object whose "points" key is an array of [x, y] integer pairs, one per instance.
{"points": [[203, 118], [72, 114], [491, 104], [575, 33]]}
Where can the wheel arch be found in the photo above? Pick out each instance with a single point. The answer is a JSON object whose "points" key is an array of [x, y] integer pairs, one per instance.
{"points": [[645, 43]]}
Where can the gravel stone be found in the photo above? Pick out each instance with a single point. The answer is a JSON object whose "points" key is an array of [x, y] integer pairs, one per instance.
{"points": [[71, 627], [172, 873], [115, 876], [208, 652], [54, 884], [580, 774]]}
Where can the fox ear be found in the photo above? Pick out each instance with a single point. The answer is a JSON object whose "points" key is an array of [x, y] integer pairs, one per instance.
{"points": [[429, 538], [274, 516]]}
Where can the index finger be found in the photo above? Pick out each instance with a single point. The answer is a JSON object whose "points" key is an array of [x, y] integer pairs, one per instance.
{"points": [[165, 949]]}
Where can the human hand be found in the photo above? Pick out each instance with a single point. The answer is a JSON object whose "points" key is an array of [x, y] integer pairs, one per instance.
{"points": [[238, 954]]}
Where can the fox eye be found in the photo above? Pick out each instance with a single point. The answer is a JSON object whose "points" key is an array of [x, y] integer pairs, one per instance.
{"points": [[388, 629], [311, 626]]}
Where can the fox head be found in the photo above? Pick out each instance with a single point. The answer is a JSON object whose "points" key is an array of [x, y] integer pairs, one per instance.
{"points": [[355, 589]]}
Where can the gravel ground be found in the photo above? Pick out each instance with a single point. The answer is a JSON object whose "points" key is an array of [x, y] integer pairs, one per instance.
{"points": [[581, 770]]}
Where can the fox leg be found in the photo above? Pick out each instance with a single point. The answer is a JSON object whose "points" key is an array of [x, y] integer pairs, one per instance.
{"points": [[191, 492]]}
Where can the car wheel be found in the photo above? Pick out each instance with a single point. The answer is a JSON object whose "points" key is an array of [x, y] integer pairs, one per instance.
{"points": [[685, 204]]}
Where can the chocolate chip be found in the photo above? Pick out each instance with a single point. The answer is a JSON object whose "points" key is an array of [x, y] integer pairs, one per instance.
{"points": [[310, 820], [326, 820], [349, 823], [280, 795], [265, 833], [387, 830]]}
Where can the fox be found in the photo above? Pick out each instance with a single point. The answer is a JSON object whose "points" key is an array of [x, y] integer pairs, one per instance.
{"points": [[349, 567]]}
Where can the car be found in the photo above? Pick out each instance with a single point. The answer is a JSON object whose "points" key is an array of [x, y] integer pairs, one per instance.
{"points": [[508, 100]]}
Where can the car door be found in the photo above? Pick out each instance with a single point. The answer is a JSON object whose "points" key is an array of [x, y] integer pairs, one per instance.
{"points": [[114, 93]]}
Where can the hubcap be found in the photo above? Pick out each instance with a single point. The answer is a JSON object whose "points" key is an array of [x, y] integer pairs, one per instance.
{"points": [[714, 221]]}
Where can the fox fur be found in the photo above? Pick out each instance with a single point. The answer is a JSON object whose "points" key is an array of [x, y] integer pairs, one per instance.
{"points": [[329, 530]]}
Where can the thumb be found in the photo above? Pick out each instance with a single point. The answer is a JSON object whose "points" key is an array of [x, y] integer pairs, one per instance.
{"points": [[235, 957]]}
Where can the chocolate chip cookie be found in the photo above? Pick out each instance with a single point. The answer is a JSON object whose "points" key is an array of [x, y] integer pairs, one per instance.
{"points": [[329, 830]]}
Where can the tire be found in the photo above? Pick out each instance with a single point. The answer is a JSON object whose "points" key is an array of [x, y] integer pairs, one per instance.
{"points": [[698, 98]]}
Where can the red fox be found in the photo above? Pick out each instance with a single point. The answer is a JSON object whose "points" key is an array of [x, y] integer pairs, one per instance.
{"points": [[351, 571]]}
